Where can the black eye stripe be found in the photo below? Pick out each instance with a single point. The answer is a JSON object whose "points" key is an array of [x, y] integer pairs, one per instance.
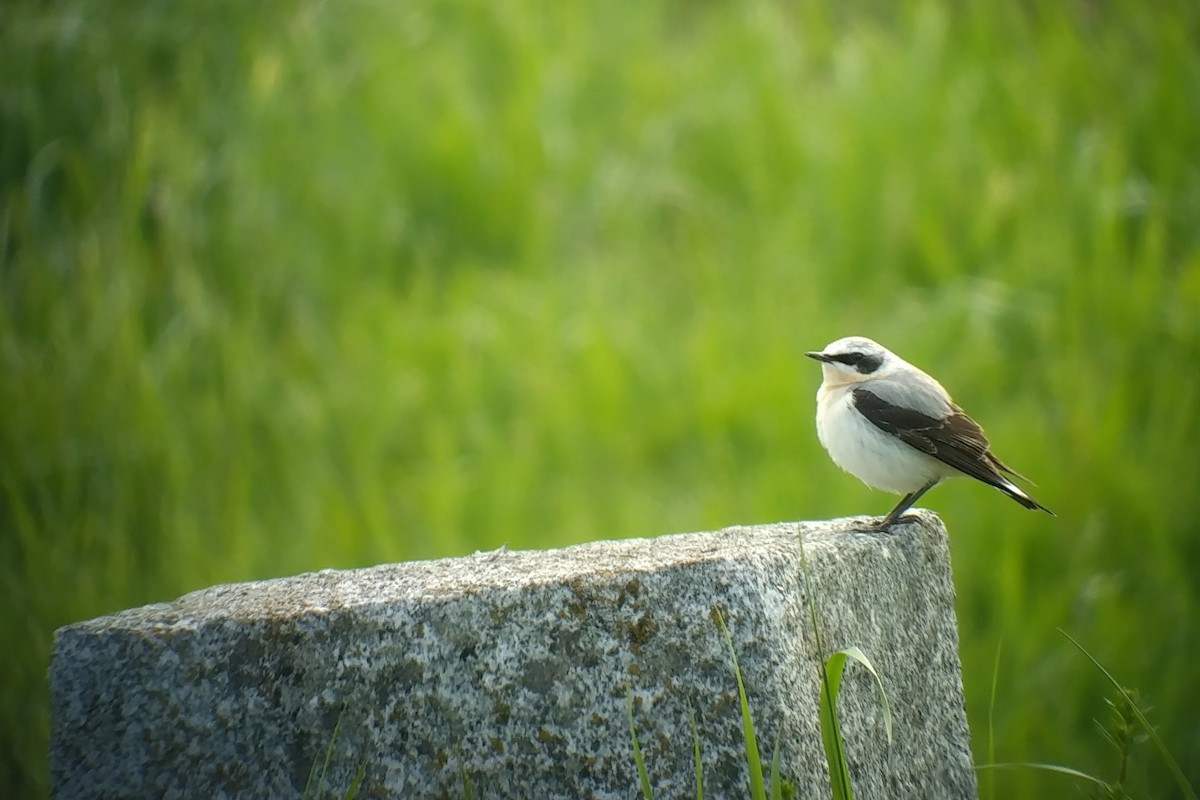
{"points": [[862, 362]]}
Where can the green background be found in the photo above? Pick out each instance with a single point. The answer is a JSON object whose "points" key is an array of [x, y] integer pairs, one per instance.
{"points": [[295, 285]]}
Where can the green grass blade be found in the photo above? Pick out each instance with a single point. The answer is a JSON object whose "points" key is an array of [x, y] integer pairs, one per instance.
{"points": [[1074, 773], [468, 786], [991, 744], [776, 783], [858, 655], [643, 778], [831, 732], [312, 770], [1181, 780], [753, 761], [352, 790], [699, 767]]}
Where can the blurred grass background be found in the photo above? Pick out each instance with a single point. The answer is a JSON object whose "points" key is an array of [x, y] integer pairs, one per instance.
{"points": [[326, 285]]}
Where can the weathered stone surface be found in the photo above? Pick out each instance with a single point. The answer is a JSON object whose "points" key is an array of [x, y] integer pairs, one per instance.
{"points": [[510, 670]]}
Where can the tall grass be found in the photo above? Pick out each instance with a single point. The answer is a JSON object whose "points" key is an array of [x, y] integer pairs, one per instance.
{"points": [[1126, 727], [308, 285]]}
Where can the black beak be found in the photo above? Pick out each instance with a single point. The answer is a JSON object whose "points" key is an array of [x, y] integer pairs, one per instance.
{"points": [[818, 356]]}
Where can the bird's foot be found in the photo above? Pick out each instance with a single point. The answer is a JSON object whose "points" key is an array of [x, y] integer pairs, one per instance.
{"points": [[888, 524]]}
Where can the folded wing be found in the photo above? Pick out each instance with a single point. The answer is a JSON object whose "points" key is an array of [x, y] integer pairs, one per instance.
{"points": [[954, 439]]}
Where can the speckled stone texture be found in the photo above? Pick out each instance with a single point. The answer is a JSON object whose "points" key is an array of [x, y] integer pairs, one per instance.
{"points": [[509, 670]]}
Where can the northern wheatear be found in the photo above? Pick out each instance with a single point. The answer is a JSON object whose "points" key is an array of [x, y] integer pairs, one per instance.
{"points": [[895, 428]]}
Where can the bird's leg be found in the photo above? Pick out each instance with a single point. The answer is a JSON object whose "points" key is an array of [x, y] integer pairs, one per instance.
{"points": [[905, 504]]}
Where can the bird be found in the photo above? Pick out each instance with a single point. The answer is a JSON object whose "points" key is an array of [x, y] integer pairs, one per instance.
{"points": [[896, 428]]}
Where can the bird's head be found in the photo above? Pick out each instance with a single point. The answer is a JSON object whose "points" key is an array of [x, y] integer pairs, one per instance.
{"points": [[853, 360]]}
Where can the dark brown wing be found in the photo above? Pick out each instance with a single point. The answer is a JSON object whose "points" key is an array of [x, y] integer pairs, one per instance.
{"points": [[956, 440]]}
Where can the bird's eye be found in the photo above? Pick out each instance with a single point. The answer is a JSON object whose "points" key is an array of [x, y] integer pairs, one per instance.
{"points": [[863, 363]]}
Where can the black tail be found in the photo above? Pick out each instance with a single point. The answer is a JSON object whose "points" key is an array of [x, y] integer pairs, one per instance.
{"points": [[1021, 497], [1010, 489]]}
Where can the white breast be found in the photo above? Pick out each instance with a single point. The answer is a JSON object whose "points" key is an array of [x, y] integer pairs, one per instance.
{"points": [[876, 458]]}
